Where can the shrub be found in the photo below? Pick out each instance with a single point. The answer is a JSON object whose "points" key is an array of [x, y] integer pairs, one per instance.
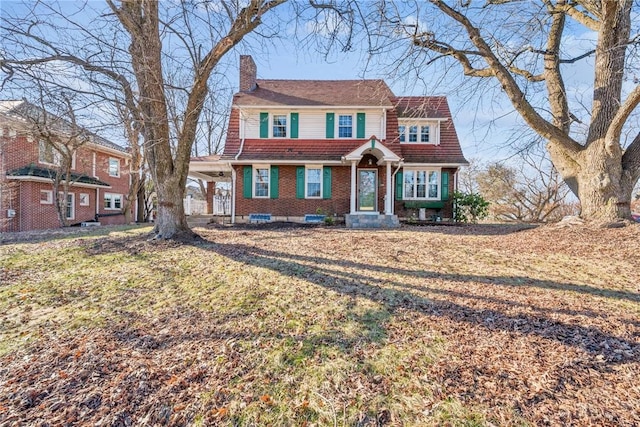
{"points": [[469, 207]]}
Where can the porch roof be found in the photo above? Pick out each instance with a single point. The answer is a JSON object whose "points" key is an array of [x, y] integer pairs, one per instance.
{"points": [[31, 172], [210, 168]]}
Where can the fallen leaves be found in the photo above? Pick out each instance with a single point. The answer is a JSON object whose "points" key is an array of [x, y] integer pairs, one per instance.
{"points": [[321, 327]]}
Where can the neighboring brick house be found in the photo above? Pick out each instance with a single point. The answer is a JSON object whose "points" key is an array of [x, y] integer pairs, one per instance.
{"points": [[99, 180], [348, 148]]}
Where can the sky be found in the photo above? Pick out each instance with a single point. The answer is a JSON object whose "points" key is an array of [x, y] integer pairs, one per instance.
{"points": [[484, 121]]}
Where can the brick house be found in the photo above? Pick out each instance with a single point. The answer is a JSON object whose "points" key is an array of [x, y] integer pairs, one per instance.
{"points": [[348, 148], [99, 180]]}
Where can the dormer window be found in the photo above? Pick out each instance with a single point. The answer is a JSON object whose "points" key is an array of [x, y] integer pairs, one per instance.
{"points": [[418, 131]]}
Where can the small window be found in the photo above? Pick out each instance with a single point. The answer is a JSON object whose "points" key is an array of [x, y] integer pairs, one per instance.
{"points": [[47, 154], [114, 167], [280, 126], [112, 201], [69, 207], [424, 133], [345, 126], [401, 130], [261, 182], [46, 197], [413, 133], [83, 199], [314, 182]]}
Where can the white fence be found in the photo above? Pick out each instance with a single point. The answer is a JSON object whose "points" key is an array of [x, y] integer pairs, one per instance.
{"points": [[222, 205], [194, 207]]}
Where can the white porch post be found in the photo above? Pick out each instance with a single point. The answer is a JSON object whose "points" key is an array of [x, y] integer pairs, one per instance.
{"points": [[353, 187], [388, 202]]}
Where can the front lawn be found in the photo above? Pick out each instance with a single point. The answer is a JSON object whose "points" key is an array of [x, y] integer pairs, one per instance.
{"points": [[474, 325]]}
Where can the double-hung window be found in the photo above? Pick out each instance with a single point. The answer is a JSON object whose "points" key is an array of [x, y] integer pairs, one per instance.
{"points": [[279, 126], [345, 126], [421, 184], [424, 133], [401, 133], [114, 167], [261, 182], [313, 182], [413, 133], [112, 201]]}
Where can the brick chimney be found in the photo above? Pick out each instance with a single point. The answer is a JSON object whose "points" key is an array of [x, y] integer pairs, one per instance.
{"points": [[248, 73]]}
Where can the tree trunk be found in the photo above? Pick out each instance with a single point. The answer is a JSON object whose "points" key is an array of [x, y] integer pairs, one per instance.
{"points": [[171, 222], [598, 180], [142, 199]]}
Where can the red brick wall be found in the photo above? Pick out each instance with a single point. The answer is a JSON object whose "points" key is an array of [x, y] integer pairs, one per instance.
{"points": [[287, 204], [16, 151]]}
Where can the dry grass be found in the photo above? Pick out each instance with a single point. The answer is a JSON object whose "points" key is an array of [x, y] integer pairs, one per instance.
{"points": [[320, 326]]}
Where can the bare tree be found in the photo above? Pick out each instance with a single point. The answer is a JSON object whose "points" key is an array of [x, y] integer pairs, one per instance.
{"points": [[186, 39], [532, 191], [527, 58]]}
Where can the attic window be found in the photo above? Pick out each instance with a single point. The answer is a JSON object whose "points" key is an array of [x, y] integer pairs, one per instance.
{"points": [[418, 131]]}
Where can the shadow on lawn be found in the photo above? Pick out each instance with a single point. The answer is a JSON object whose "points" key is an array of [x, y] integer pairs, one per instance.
{"points": [[362, 283]]}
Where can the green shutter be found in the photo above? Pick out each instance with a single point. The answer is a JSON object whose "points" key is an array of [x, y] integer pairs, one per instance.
{"points": [[399, 186], [444, 182], [264, 125], [247, 189], [294, 125], [300, 182], [326, 182], [360, 128], [274, 182], [330, 125]]}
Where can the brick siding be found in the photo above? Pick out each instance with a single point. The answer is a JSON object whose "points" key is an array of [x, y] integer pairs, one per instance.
{"points": [[16, 150]]}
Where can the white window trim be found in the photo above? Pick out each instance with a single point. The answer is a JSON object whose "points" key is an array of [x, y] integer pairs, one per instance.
{"points": [[434, 131], [86, 197], [72, 196], [112, 203], [438, 172], [109, 167], [287, 127], [254, 182], [354, 118], [49, 200], [306, 186]]}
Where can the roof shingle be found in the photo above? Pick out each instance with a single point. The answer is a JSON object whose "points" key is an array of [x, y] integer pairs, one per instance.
{"points": [[334, 93]]}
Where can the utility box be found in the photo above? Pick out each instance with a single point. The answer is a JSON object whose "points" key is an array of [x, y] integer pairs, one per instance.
{"points": [[422, 214], [11, 213]]}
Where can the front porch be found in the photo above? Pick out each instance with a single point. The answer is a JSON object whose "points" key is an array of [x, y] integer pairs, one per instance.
{"points": [[368, 191]]}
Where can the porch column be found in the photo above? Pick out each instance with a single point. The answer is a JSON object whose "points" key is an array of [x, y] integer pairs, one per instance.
{"points": [[211, 188], [353, 187], [388, 202]]}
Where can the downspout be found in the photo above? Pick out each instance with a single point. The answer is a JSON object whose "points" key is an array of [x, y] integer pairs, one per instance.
{"points": [[393, 185], [233, 194]]}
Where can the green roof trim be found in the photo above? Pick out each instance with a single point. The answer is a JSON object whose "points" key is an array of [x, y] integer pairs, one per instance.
{"points": [[37, 172]]}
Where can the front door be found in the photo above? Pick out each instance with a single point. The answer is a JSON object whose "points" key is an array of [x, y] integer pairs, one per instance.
{"points": [[367, 190]]}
